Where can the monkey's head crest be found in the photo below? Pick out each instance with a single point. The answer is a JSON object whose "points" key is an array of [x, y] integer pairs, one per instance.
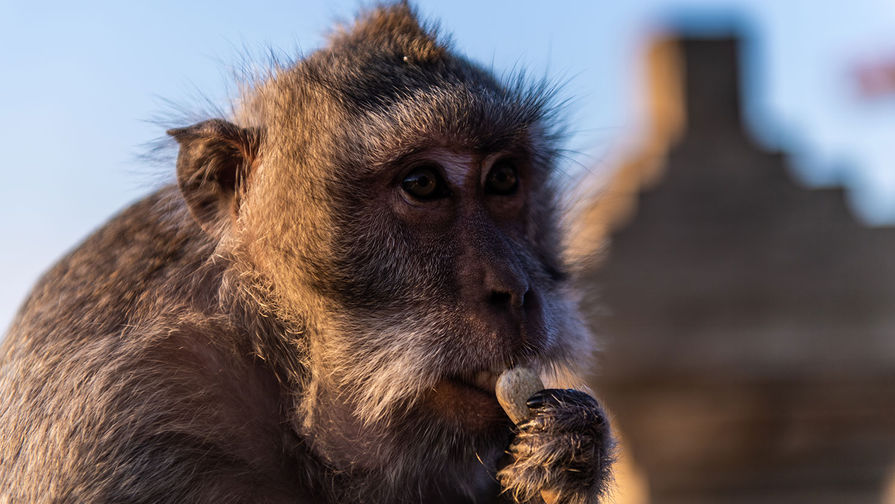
{"points": [[395, 28]]}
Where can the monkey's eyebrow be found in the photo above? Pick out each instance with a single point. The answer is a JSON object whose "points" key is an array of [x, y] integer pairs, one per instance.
{"points": [[402, 145], [396, 155]]}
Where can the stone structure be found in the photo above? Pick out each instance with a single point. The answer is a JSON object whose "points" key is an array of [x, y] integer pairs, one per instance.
{"points": [[749, 322]]}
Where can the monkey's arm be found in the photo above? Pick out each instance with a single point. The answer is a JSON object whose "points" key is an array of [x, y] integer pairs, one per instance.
{"points": [[150, 415], [198, 421]]}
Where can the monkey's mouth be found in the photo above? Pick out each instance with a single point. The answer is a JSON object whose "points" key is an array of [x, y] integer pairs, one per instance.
{"points": [[485, 381], [469, 399]]}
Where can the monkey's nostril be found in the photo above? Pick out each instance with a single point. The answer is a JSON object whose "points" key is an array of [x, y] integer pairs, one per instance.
{"points": [[500, 299], [530, 302], [509, 300]]}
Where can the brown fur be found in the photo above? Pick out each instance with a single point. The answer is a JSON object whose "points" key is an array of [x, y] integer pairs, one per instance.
{"points": [[287, 325]]}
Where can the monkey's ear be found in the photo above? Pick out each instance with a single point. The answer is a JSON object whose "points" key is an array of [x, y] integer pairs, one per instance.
{"points": [[213, 165]]}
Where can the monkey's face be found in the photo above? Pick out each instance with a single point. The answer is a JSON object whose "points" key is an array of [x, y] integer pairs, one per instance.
{"points": [[443, 270], [463, 233]]}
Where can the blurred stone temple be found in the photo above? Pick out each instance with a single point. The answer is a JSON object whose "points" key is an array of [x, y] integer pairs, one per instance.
{"points": [[748, 322]]}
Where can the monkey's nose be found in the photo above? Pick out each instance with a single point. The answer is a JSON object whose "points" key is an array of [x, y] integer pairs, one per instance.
{"points": [[516, 317], [506, 288]]}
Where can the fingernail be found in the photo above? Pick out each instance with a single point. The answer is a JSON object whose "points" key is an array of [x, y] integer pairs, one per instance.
{"points": [[535, 401]]}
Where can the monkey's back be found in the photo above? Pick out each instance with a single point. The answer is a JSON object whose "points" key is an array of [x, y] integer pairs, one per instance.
{"points": [[115, 363], [112, 277]]}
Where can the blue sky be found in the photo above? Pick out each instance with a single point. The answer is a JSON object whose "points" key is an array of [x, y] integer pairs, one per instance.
{"points": [[82, 80]]}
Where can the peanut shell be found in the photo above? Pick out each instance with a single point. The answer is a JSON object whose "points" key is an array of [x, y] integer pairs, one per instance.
{"points": [[514, 387]]}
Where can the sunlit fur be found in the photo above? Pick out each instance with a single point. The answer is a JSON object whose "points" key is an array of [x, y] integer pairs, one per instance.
{"points": [[262, 335]]}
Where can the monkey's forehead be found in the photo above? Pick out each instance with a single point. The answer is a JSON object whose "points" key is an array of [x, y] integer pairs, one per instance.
{"points": [[388, 105], [454, 116]]}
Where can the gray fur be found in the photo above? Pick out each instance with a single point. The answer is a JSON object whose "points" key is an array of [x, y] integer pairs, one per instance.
{"points": [[269, 331]]}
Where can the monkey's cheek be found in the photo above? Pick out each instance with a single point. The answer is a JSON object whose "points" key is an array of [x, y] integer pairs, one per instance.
{"points": [[466, 407]]}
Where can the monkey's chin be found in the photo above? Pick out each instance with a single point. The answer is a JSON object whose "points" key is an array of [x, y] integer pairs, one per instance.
{"points": [[467, 405]]}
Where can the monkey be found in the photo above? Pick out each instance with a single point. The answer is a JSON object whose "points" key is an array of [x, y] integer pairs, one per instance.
{"points": [[317, 310]]}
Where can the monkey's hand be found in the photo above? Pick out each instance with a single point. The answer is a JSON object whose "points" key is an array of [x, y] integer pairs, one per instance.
{"points": [[565, 450]]}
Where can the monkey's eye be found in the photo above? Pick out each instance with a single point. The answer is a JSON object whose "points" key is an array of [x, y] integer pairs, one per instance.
{"points": [[502, 179], [424, 183]]}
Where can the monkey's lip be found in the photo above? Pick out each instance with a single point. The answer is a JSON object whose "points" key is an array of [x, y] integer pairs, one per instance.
{"points": [[469, 400], [484, 381]]}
